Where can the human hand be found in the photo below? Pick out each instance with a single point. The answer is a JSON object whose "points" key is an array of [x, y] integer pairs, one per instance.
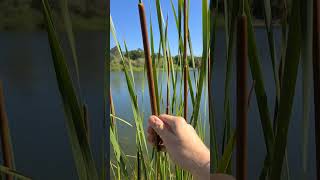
{"points": [[182, 143]]}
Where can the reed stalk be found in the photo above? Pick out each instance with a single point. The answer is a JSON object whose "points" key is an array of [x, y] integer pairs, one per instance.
{"points": [[168, 88], [185, 68], [148, 60], [316, 79], [213, 137], [5, 135], [306, 64], [242, 98], [112, 111]]}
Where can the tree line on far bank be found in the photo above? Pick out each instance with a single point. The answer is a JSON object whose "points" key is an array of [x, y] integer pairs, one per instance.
{"points": [[137, 57]]}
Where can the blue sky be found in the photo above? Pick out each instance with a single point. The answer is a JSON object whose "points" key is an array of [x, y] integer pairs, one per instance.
{"points": [[125, 16]]}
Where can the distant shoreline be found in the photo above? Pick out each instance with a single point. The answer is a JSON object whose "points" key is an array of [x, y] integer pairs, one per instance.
{"points": [[28, 19], [115, 68]]}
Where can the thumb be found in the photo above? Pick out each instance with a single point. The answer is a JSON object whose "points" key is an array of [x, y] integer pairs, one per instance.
{"points": [[159, 127]]}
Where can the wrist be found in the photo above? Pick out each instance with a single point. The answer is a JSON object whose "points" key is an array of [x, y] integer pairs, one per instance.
{"points": [[202, 168]]}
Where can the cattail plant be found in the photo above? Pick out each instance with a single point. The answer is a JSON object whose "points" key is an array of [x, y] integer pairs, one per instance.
{"points": [[168, 59], [144, 30], [185, 68], [316, 79], [242, 98], [74, 116], [5, 135], [112, 119]]}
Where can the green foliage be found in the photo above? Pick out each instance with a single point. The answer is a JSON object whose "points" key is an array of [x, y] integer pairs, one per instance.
{"points": [[82, 154], [135, 54], [15, 174], [27, 15], [287, 90]]}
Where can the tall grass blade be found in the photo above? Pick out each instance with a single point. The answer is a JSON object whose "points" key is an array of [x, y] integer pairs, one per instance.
{"points": [[261, 96], [140, 136], [306, 62], [256, 72], [113, 126], [203, 68], [213, 141], [161, 30], [269, 28], [231, 10], [178, 24], [121, 161], [13, 173], [287, 90], [191, 90], [73, 111], [316, 79], [154, 67], [225, 160], [106, 124], [70, 35], [185, 64]]}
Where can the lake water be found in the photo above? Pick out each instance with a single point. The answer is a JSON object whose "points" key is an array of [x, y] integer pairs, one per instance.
{"points": [[34, 106], [36, 117], [256, 145]]}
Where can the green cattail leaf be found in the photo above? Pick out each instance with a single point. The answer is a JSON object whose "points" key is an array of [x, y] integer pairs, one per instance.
{"points": [[14, 173], [306, 62], [73, 110], [287, 90], [227, 155]]}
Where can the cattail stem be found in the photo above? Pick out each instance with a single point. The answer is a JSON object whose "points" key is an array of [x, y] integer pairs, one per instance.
{"points": [[185, 69], [146, 47], [242, 98], [316, 79], [5, 135]]}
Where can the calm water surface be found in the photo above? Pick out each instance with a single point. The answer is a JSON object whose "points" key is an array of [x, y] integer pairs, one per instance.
{"points": [[34, 105]]}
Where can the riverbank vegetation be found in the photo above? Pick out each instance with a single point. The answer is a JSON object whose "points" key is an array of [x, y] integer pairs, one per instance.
{"points": [[137, 60], [26, 15]]}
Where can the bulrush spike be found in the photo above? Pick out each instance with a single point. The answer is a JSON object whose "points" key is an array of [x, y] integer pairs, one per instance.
{"points": [[148, 61], [5, 135], [242, 98], [316, 79], [185, 69]]}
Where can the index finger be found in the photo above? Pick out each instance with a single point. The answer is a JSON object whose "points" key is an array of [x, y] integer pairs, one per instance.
{"points": [[172, 121]]}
